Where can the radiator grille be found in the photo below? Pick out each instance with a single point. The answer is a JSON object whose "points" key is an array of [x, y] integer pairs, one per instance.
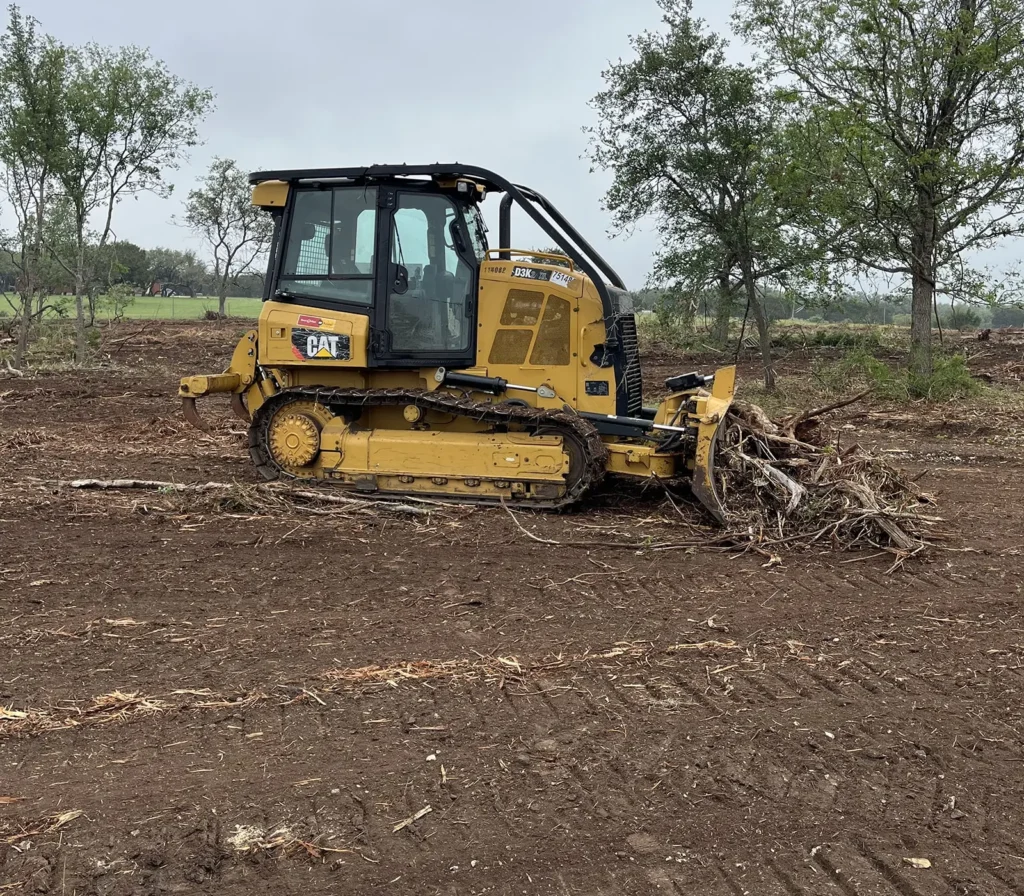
{"points": [[631, 384]]}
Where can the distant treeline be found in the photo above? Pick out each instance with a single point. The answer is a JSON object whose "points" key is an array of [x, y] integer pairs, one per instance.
{"points": [[853, 308], [142, 271]]}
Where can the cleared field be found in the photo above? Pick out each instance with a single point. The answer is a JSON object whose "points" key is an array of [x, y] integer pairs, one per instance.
{"points": [[198, 695]]}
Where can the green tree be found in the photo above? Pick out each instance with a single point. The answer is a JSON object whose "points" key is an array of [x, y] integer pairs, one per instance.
{"points": [[177, 267], [125, 263], [917, 130], [33, 74], [221, 212], [1008, 316], [700, 144], [128, 121]]}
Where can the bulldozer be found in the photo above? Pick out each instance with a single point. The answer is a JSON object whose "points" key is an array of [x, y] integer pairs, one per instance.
{"points": [[397, 353]]}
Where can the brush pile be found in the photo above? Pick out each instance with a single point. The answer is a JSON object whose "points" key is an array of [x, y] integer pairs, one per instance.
{"points": [[792, 482]]}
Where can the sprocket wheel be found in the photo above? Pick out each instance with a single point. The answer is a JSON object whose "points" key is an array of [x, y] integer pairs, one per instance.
{"points": [[293, 434], [294, 440]]}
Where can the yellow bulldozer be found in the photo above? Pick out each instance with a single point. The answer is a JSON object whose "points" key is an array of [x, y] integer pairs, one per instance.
{"points": [[397, 353]]}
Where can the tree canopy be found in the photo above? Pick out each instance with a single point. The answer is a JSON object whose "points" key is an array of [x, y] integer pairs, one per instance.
{"points": [[700, 144], [81, 129], [914, 130]]}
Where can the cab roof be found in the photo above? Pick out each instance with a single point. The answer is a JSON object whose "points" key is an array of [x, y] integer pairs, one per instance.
{"points": [[437, 172]]}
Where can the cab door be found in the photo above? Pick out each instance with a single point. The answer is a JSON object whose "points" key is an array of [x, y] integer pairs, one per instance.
{"points": [[426, 293]]}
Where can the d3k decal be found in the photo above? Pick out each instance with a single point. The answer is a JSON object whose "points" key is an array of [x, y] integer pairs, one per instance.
{"points": [[317, 345]]}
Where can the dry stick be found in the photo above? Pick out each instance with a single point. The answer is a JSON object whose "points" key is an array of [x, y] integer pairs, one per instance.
{"points": [[124, 340], [796, 491], [415, 817], [726, 542], [144, 483], [341, 499], [790, 424], [158, 485], [671, 500]]}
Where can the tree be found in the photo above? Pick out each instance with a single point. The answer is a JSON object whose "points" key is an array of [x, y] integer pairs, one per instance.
{"points": [[222, 213], [174, 267], [1008, 316], [33, 70], [128, 120], [917, 113], [128, 264], [700, 144]]}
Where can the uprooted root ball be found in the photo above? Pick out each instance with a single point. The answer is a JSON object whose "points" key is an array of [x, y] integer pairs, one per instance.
{"points": [[791, 482]]}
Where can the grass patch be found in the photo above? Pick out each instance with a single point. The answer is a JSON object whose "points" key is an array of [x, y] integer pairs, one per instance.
{"points": [[160, 308], [186, 308], [950, 379]]}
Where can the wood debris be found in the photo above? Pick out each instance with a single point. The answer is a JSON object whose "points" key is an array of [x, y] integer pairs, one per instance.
{"points": [[48, 824], [791, 482]]}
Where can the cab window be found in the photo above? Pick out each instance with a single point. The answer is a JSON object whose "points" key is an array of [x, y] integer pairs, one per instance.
{"points": [[330, 250]]}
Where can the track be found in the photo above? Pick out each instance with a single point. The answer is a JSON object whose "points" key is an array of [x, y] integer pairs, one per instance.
{"points": [[584, 443]]}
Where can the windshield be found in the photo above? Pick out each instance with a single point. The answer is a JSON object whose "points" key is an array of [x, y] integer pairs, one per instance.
{"points": [[330, 249], [477, 230]]}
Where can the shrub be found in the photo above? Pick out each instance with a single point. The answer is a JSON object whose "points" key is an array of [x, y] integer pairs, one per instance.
{"points": [[119, 298], [950, 378], [658, 328]]}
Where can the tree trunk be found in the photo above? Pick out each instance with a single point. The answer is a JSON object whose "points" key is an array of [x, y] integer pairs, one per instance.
{"points": [[31, 274], [23, 332], [922, 270], [923, 291], [80, 308], [723, 310], [223, 295], [764, 337]]}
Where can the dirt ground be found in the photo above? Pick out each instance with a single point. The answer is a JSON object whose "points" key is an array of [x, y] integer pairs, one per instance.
{"points": [[199, 697]]}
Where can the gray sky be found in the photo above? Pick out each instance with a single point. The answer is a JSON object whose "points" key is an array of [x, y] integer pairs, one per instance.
{"points": [[349, 82]]}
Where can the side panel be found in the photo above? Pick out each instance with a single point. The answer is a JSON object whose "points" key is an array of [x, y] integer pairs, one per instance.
{"points": [[290, 334], [531, 322]]}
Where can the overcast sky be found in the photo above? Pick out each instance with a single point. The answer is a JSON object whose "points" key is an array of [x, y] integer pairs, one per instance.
{"points": [[349, 82]]}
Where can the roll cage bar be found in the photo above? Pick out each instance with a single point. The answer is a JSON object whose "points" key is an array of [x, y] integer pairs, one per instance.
{"points": [[555, 225]]}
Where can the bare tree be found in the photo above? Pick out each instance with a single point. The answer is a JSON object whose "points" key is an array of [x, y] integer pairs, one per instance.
{"points": [[222, 213]]}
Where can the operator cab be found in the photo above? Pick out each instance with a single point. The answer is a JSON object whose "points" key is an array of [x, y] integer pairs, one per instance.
{"points": [[405, 252], [403, 245]]}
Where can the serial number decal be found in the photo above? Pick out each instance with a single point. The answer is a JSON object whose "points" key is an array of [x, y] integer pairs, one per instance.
{"points": [[557, 277], [319, 323], [316, 345]]}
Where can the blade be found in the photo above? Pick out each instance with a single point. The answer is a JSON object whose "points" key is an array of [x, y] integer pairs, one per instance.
{"points": [[709, 433], [703, 483]]}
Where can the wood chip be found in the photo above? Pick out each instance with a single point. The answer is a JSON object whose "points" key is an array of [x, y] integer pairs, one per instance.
{"points": [[426, 810]]}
